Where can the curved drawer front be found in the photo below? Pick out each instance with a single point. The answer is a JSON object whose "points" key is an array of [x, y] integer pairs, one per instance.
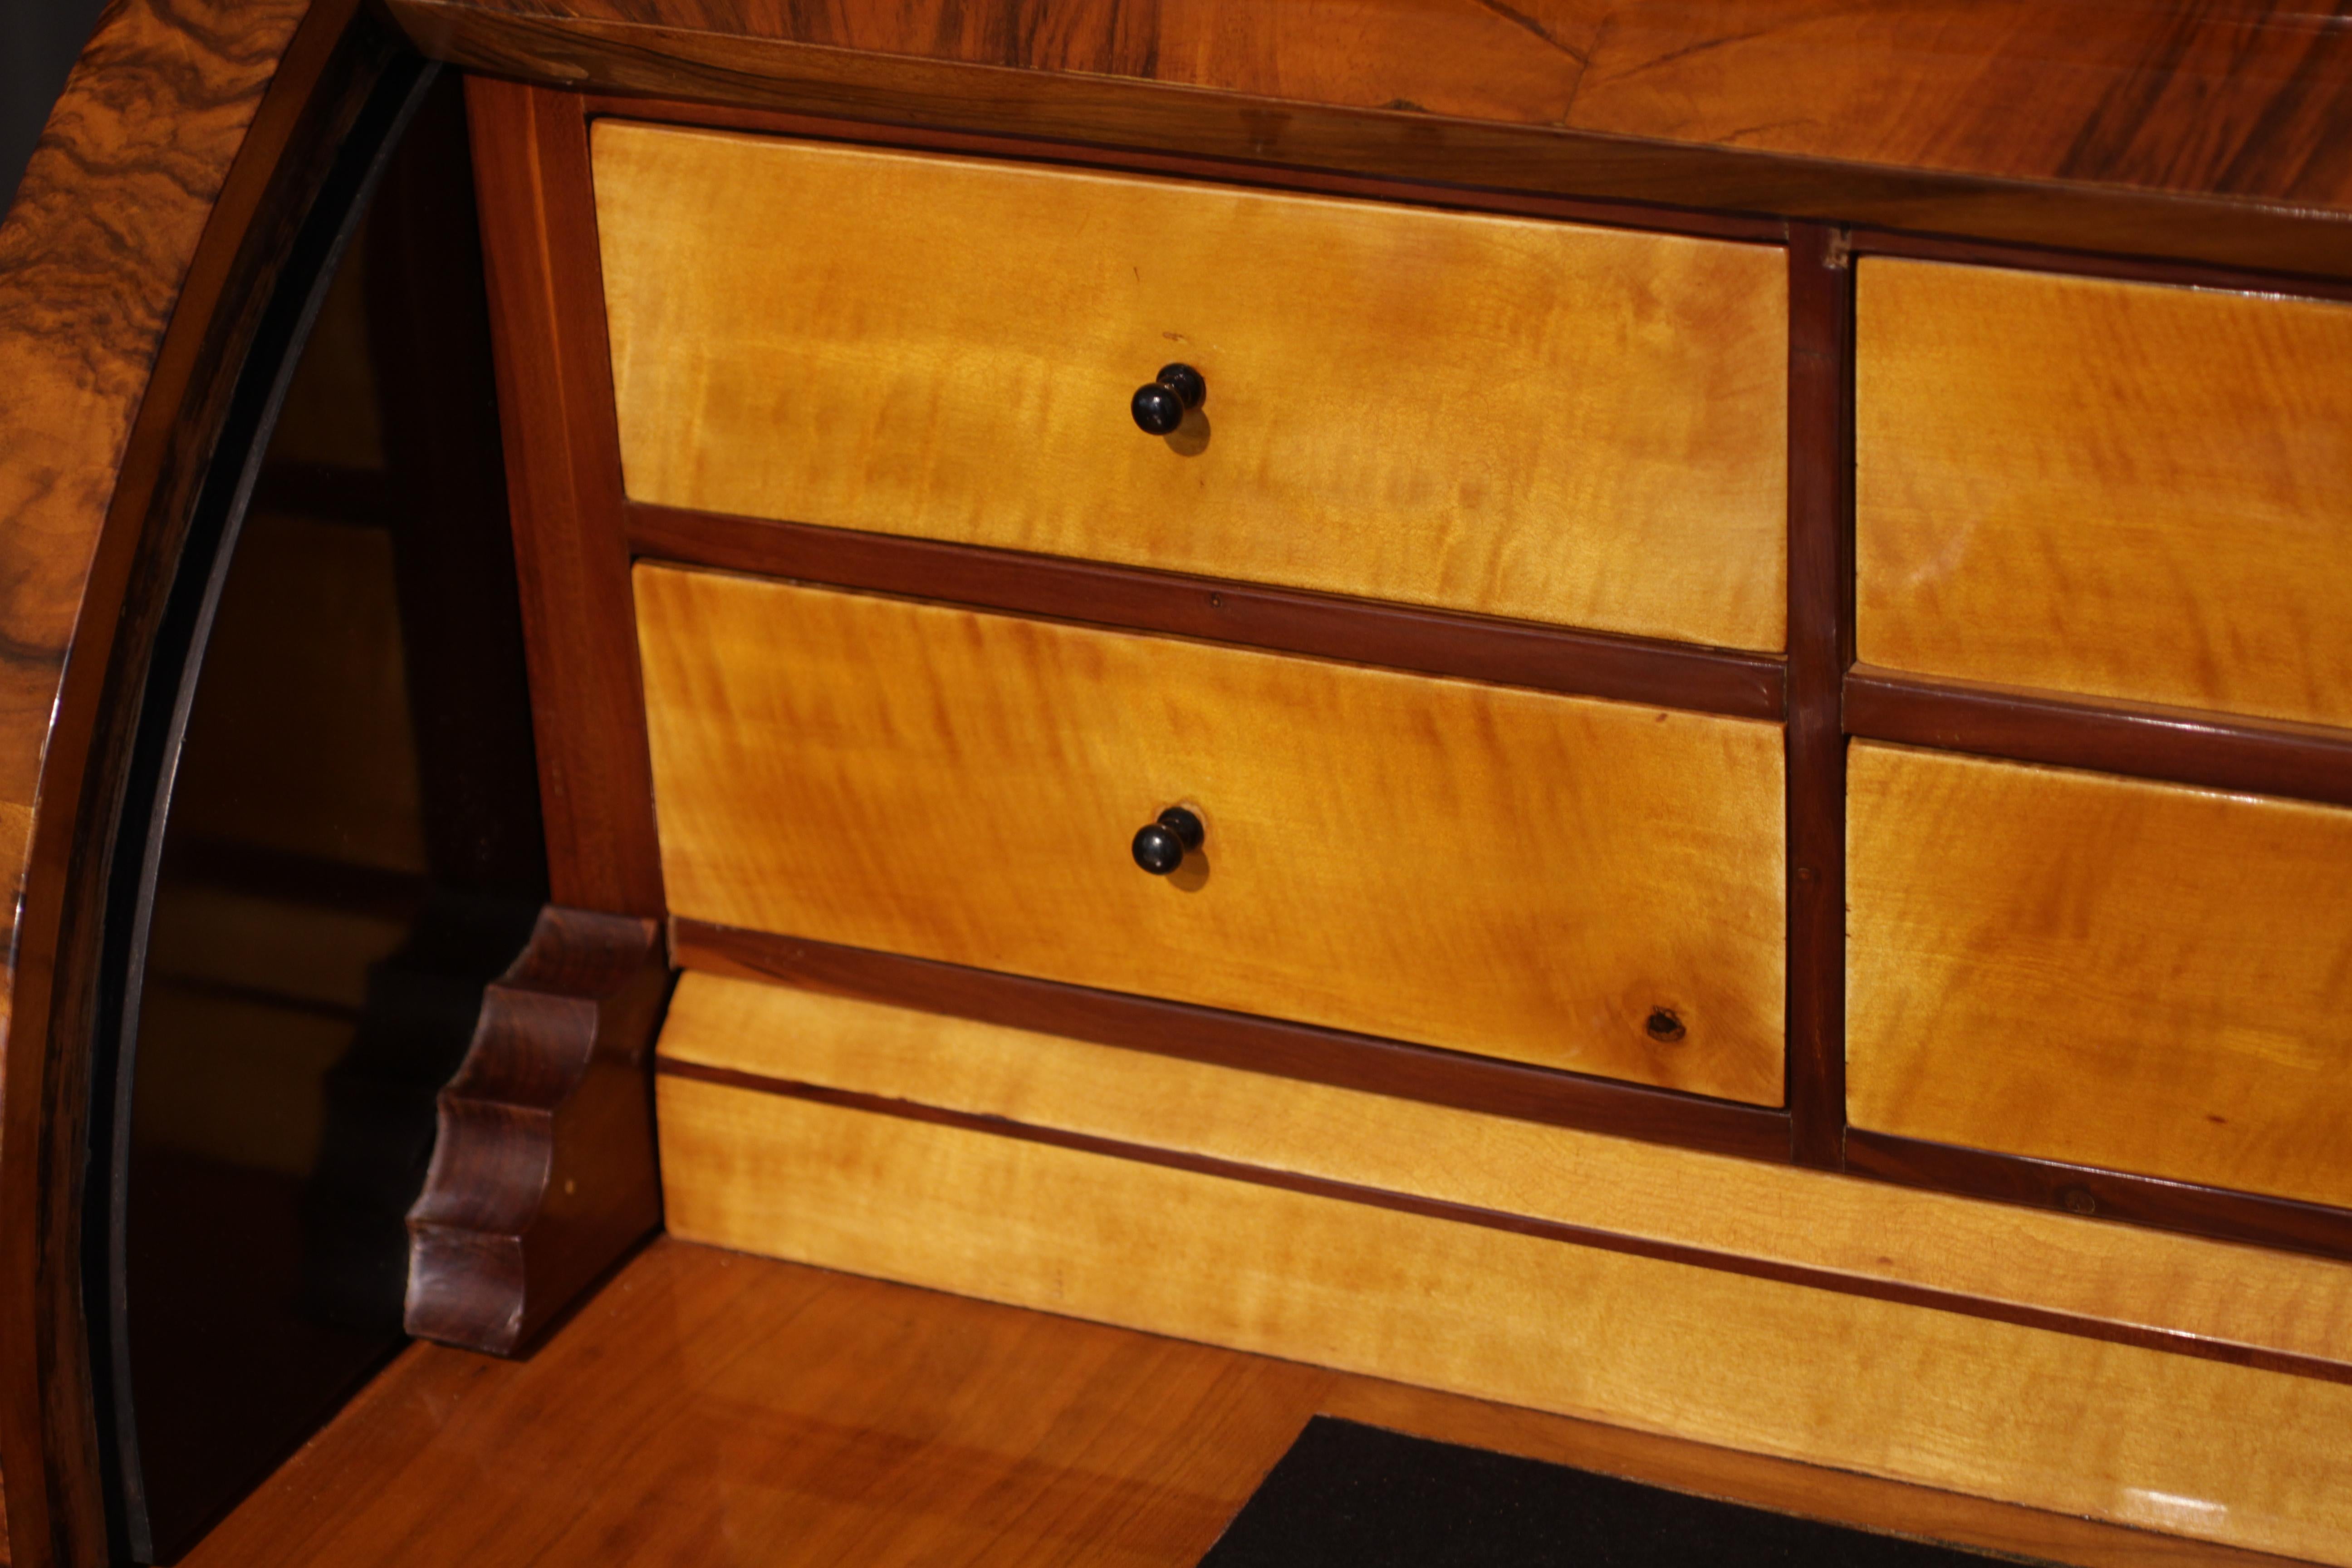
{"points": [[2101, 971], [1531, 419], [2123, 490], [1552, 880]]}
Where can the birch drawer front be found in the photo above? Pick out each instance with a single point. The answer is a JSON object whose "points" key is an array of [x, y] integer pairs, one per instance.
{"points": [[1580, 884], [2123, 489], [2102, 971], [1522, 418]]}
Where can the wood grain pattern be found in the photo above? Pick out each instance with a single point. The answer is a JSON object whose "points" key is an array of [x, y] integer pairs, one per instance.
{"points": [[1960, 155], [2101, 971], [2119, 1433], [1738, 1214], [760, 1410], [2113, 488], [1245, 1040], [543, 1173], [1534, 420], [1396, 637], [1509, 873], [120, 341], [2185, 745], [564, 491]]}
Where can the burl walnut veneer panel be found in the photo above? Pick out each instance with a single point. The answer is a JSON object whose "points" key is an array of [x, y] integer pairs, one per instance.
{"points": [[1533, 419], [2125, 490], [2101, 971], [1512, 873]]}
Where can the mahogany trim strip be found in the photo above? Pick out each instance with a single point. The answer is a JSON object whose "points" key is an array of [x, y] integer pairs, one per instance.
{"points": [[1821, 647], [665, 63], [1239, 1041], [1398, 637], [2174, 745], [2094, 264], [1898, 1292], [563, 477], [1620, 214], [2219, 1212]]}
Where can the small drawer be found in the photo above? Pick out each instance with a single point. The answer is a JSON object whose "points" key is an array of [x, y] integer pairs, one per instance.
{"points": [[2122, 489], [1578, 884], [1539, 420], [2102, 971]]}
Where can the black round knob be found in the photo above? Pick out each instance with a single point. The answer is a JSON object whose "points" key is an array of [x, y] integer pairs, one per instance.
{"points": [[1161, 847], [1159, 406]]}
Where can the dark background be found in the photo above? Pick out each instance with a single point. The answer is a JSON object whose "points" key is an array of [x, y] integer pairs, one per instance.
{"points": [[38, 41]]}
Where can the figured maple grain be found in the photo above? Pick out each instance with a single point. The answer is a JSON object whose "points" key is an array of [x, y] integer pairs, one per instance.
{"points": [[1512, 873], [1531, 419], [2117, 1432], [2102, 971], [2122, 489], [1837, 1231]]}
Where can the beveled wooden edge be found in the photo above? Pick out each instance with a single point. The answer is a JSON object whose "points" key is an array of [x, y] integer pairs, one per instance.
{"points": [[636, 58], [2216, 1212], [1821, 647], [543, 1172], [1523, 1224], [561, 430], [2173, 745], [217, 126], [1239, 1041], [1620, 214], [1899, 243], [1398, 637]]}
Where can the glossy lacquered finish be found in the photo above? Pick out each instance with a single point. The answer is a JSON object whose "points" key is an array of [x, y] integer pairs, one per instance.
{"points": [[2122, 491], [826, 765], [1161, 847], [1160, 405], [1571, 425], [2102, 971]]}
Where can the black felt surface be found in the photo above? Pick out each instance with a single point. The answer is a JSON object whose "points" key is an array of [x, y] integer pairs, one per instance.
{"points": [[1353, 1494]]}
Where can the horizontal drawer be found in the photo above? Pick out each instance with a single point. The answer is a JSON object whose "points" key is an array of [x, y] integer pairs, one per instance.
{"points": [[1578, 884], [1530, 419], [2123, 489], [2101, 971]]}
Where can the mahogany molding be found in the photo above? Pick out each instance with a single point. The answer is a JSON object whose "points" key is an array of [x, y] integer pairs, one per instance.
{"points": [[2146, 167], [543, 1173], [557, 418], [2174, 745], [1821, 647], [2217, 1211], [1549, 1230], [1239, 1041], [1398, 637]]}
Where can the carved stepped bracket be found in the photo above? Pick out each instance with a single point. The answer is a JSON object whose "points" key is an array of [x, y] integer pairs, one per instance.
{"points": [[543, 1174]]}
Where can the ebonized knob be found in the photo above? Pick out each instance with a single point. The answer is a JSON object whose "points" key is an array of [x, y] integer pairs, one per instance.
{"points": [[1161, 847], [1160, 407]]}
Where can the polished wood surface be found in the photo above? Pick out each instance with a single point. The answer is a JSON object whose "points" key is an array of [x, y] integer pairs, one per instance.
{"points": [[544, 1168], [1397, 637], [120, 341], [555, 400], [1510, 873], [1246, 1040], [1542, 421], [2101, 971], [1935, 115], [2103, 1280], [758, 1411], [2113, 489], [2181, 1444], [2140, 740]]}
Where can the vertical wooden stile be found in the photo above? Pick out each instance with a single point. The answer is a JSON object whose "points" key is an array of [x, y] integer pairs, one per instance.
{"points": [[1820, 647]]}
